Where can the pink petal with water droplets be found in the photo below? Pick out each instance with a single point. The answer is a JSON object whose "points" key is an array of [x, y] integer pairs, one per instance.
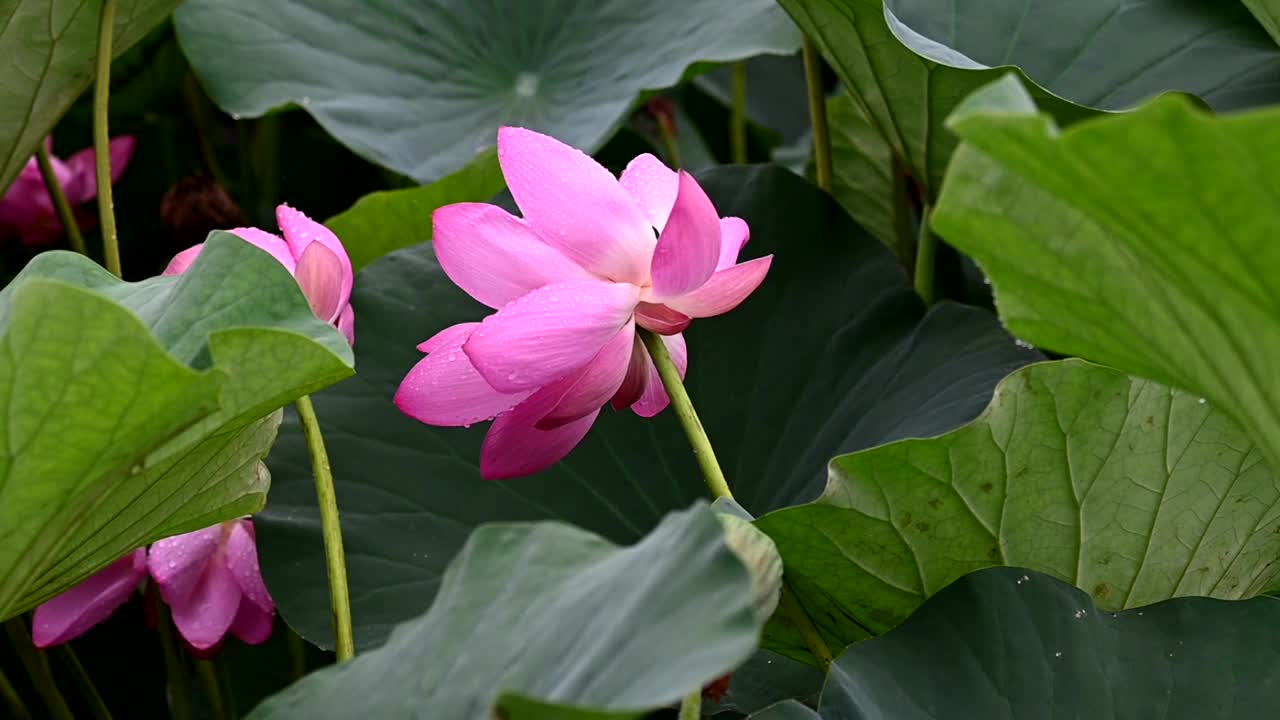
{"points": [[549, 333], [689, 246], [88, 603], [241, 553], [514, 447], [637, 377], [252, 624], [653, 187], [445, 389], [177, 563], [300, 231], [319, 274], [495, 257], [273, 244], [724, 291], [576, 205], [183, 260], [661, 319], [654, 398], [734, 234], [585, 391], [452, 335], [206, 614], [347, 324]]}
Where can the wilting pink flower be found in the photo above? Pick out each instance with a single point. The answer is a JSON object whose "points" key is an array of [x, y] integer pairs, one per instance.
{"points": [[593, 256], [92, 601], [26, 210], [211, 582], [311, 253]]}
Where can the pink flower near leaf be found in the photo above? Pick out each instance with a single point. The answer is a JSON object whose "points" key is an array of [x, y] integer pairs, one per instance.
{"points": [[92, 601], [311, 253], [27, 210], [211, 582], [592, 257]]}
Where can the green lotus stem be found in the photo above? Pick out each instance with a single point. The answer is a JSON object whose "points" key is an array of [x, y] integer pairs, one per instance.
{"points": [[926, 253], [229, 690], [11, 698], [102, 143], [691, 706], [903, 216], [335, 558], [212, 689], [37, 666], [671, 144], [297, 655], [175, 668], [197, 108], [818, 113], [714, 476], [87, 687], [683, 406], [60, 203], [738, 113]]}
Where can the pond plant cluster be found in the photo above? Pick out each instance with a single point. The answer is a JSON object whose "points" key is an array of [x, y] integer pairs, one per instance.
{"points": [[603, 360]]}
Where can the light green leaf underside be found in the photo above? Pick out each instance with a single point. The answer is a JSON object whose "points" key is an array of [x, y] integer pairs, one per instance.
{"points": [[1130, 490], [135, 409], [1144, 241], [548, 621], [422, 87], [864, 174], [48, 50]]}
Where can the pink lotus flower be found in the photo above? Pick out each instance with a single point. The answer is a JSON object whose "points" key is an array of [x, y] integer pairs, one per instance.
{"points": [[593, 256], [211, 581], [92, 601], [26, 210], [312, 254]]}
